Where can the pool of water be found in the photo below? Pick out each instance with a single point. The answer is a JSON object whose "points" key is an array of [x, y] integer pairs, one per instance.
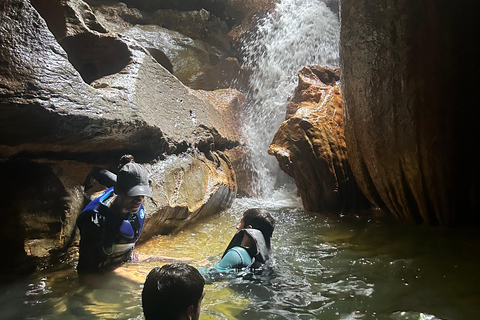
{"points": [[323, 267]]}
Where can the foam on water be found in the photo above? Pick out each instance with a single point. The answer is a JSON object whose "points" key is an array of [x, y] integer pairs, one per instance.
{"points": [[298, 33]]}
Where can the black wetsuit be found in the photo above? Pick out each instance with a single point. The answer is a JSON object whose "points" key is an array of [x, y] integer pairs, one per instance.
{"points": [[107, 239]]}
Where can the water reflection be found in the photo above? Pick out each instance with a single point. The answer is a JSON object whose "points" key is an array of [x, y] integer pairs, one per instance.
{"points": [[323, 267]]}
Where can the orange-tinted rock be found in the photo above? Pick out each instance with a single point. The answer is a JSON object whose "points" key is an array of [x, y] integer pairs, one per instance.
{"points": [[310, 145], [411, 107], [229, 102], [310, 82], [186, 187]]}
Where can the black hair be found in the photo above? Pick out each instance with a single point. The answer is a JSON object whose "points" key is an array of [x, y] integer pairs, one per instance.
{"points": [[126, 158], [170, 290], [260, 219]]}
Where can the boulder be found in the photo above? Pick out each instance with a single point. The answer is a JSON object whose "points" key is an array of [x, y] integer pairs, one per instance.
{"points": [[182, 56], [107, 94], [230, 103], [75, 95], [197, 24], [186, 187], [310, 145], [410, 111]]}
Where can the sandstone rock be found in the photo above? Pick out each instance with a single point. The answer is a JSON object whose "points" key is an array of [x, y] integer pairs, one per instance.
{"points": [[230, 103], [117, 17], [182, 56], [187, 187], [132, 103], [312, 82], [409, 117], [94, 97], [39, 212], [310, 145], [227, 73], [201, 25]]}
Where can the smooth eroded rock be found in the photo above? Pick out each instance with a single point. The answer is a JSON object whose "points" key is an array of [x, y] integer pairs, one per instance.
{"points": [[410, 115], [310, 145], [186, 187]]}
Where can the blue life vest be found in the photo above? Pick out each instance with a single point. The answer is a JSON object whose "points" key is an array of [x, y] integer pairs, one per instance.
{"points": [[127, 230], [118, 248]]}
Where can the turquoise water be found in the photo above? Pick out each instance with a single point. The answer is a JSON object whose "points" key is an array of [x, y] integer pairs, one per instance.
{"points": [[323, 267]]}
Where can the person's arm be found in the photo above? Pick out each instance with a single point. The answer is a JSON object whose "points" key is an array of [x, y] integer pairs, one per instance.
{"points": [[235, 258], [90, 250], [103, 176]]}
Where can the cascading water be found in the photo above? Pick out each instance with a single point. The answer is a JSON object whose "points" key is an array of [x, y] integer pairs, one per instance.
{"points": [[296, 34]]}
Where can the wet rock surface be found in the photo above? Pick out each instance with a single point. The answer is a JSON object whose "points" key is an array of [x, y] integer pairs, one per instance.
{"points": [[185, 187], [143, 107], [81, 85], [310, 145], [408, 116]]}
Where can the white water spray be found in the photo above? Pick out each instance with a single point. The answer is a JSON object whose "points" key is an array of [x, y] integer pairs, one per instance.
{"points": [[298, 33]]}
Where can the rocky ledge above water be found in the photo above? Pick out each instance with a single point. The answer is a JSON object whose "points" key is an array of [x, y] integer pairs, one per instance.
{"points": [[310, 145], [81, 85]]}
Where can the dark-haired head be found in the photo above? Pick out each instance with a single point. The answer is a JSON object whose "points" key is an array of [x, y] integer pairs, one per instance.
{"points": [[259, 219], [173, 292], [126, 158]]}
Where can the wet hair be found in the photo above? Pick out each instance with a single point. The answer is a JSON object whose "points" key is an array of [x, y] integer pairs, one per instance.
{"points": [[260, 219], [170, 290]]}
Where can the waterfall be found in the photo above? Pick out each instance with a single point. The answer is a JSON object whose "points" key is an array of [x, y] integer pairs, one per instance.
{"points": [[296, 34]]}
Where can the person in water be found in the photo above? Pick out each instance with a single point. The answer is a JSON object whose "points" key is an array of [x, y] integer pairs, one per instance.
{"points": [[173, 292], [111, 224], [250, 247], [105, 177]]}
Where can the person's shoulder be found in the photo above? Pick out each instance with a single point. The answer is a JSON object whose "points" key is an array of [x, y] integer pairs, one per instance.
{"points": [[239, 250], [240, 253], [93, 214]]}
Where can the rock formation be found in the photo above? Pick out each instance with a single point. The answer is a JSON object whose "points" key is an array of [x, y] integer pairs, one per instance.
{"points": [[74, 94], [310, 144], [410, 112], [186, 187], [230, 104]]}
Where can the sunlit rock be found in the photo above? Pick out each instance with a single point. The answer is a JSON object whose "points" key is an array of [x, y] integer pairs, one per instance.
{"points": [[411, 109], [225, 74], [74, 95], [186, 187], [111, 95], [310, 144], [229, 103], [184, 57]]}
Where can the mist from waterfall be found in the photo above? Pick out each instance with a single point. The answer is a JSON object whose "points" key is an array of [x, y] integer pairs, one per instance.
{"points": [[296, 34]]}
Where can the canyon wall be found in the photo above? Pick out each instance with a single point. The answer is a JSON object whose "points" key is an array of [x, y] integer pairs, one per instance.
{"points": [[82, 85], [410, 108]]}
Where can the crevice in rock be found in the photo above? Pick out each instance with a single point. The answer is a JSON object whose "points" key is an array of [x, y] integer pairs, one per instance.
{"points": [[161, 58], [95, 56]]}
